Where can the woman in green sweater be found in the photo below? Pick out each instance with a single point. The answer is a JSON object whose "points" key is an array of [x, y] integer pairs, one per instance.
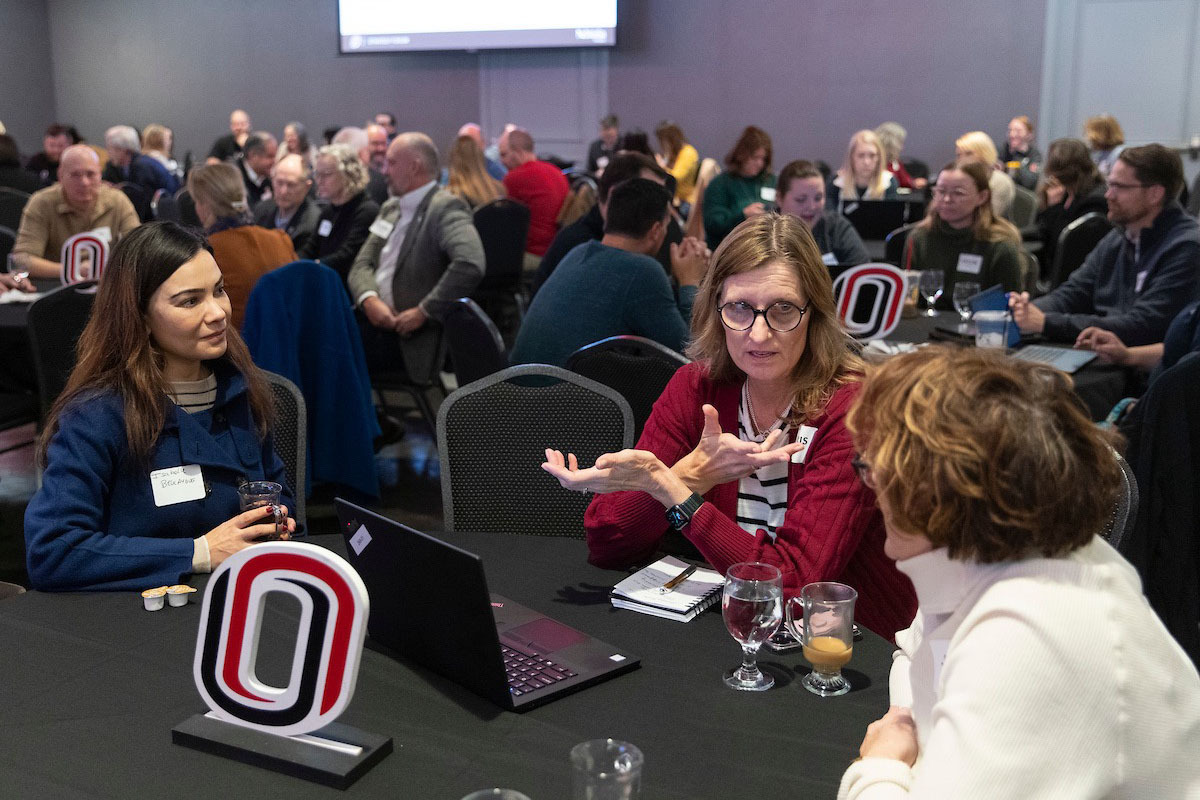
{"points": [[961, 237], [746, 189]]}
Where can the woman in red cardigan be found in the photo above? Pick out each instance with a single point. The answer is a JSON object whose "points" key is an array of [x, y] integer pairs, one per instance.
{"points": [[747, 453]]}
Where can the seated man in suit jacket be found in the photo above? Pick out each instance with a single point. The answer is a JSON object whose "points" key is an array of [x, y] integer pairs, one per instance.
{"points": [[422, 254], [291, 207]]}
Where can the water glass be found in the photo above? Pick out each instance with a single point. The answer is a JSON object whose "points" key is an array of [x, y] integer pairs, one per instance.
{"points": [[963, 292], [752, 604], [606, 769], [496, 794], [254, 494], [826, 630], [991, 328], [932, 282]]}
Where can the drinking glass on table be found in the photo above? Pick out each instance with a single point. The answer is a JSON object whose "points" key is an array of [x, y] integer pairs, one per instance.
{"points": [[963, 292], [752, 604], [826, 630], [931, 283], [254, 494]]}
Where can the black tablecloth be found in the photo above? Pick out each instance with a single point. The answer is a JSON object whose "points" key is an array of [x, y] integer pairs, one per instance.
{"points": [[1099, 385], [16, 363], [93, 685]]}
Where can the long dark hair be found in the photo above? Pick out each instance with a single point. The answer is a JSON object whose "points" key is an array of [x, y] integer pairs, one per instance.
{"points": [[116, 353]]}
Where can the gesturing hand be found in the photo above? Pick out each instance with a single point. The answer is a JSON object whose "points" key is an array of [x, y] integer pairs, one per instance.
{"points": [[722, 457], [894, 735], [625, 470]]}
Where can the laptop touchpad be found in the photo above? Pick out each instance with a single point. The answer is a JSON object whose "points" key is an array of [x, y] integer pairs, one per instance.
{"points": [[545, 635]]}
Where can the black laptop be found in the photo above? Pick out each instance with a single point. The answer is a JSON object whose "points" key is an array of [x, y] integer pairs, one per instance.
{"points": [[875, 219], [430, 603]]}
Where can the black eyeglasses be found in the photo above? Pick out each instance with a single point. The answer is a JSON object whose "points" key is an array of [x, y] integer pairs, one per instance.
{"points": [[864, 471], [781, 316]]}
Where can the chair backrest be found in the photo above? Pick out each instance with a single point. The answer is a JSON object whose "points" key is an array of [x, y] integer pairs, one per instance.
{"points": [[290, 435], [55, 322], [1124, 513], [709, 169], [1193, 205], [473, 341], [637, 367], [893, 244], [187, 209], [140, 199], [1023, 210], [8, 237], [1075, 242], [12, 203], [503, 227], [164, 206], [492, 436]]}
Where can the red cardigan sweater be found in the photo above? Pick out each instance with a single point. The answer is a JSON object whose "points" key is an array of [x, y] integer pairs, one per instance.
{"points": [[832, 529]]}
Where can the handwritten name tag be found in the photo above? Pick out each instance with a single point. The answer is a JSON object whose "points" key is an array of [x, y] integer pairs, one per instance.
{"points": [[381, 228], [804, 438], [325, 228], [177, 485], [829, 259], [103, 232], [970, 263], [768, 194]]}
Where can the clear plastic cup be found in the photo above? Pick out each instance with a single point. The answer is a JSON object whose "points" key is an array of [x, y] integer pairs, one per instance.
{"points": [[496, 794], [991, 328], [606, 769]]}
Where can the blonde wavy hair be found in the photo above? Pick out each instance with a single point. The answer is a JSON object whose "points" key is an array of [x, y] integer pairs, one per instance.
{"points": [[879, 181], [987, 227], [346, 161], [993, 458], [829, 359], [220, 187], [468, 174]]}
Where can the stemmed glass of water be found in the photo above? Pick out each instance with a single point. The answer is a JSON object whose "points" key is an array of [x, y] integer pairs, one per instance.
{"points": [[752, 604], [963, 292], [931, 283]]}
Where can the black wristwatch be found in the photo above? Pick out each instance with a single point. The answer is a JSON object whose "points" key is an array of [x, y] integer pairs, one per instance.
{"points": [[679, 516]]}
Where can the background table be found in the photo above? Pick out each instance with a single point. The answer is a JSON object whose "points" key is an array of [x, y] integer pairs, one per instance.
{"points": [[93, 685]]}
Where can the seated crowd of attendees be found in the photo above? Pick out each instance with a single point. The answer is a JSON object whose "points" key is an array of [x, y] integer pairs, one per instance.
{"points": [[959, 492]]}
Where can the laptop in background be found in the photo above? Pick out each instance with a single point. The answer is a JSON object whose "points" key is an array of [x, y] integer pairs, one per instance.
{"points": [[430, 603], [875, 219], [1065, 358]]}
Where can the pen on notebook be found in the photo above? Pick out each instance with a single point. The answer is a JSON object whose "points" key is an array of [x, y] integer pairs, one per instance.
{"points": [[670, 585]]}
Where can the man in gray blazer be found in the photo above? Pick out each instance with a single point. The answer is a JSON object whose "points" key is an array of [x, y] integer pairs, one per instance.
{"points": [[423, 252]]}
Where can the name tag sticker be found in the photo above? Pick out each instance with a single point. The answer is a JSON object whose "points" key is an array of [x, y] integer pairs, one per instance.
{"points": [[381, 228], [768, 194], [804, 438], [970, 263], [1141, 279], [177, 485], [360, 540], [325, 227], [103, 232], [830, 260]]}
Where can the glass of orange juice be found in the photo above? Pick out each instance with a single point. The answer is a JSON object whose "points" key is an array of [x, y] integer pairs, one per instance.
{"points": [[821, 618]]}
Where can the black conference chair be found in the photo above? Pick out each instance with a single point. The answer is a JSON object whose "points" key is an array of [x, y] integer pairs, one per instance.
{"points": [[637, 367], [8, 238], [55, 323], [12, 203], [290, 435], [473, 342], [140, 199], [503, 227], [17, 409], [164, 206], [893, 245], [492, 435], [422, 359], [1023, 210], [187, 209], [1124, 513], [1075, 242]]}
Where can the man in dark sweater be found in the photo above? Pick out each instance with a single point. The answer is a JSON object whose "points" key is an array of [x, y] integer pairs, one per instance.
{"points": [[1142, 273], [590, 227], [291, 207], [613, 286]]}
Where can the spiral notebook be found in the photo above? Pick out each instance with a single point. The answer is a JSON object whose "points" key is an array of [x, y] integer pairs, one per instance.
{"points": [[641, 591]]}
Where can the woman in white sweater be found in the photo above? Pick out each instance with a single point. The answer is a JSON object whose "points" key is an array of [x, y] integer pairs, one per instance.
{"points": [[1035, 667]]}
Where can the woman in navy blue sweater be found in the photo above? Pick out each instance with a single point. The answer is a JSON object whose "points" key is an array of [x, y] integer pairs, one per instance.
{"points": [[163, 417]]}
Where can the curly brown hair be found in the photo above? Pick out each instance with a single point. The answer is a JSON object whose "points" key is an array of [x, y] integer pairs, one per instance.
{"points": [[993, 458]]}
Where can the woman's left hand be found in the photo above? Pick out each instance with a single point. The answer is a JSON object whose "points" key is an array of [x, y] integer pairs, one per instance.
{"points": [[894, 735], [627, 470]]}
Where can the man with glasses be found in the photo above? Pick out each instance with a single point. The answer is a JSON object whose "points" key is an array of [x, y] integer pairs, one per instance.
{"points": [[291, 209], [1141, 274], [614, 286]]}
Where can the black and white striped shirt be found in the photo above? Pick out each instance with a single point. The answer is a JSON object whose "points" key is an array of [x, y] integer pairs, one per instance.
{"points": [[762, 495], [194, 396]]}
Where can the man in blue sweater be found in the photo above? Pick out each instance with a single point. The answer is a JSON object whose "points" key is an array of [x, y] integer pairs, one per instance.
{"points": [[614, 286], [1142, 273]]}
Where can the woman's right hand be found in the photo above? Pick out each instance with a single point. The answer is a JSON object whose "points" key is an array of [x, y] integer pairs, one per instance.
{"points": [[722, 457], [753, 210], [241, 531]]}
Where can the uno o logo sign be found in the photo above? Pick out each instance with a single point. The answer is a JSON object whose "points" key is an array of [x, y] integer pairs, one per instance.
{"points": [[83, 258], [333, 624], [877, 290]]}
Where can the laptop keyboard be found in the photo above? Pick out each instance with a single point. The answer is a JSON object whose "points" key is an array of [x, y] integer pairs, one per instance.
{"points": [[527, 673], [1038, 353]]}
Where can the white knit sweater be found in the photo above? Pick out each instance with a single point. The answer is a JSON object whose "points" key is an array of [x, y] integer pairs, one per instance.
{"points": [[1056, 680]]}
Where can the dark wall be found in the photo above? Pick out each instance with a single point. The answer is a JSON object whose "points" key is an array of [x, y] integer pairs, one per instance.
{"points": [[188, 64], [813, 72], [26, 87]]}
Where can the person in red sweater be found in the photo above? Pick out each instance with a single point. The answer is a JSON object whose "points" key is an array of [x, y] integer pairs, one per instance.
{"points": [[746, 452], [537, 184]]}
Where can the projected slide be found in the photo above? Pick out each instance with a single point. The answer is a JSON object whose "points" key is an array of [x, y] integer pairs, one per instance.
{"points": [[381, 25]]}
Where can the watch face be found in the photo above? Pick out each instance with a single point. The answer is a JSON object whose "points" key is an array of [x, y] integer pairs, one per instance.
{"points": [[676, 518]]}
